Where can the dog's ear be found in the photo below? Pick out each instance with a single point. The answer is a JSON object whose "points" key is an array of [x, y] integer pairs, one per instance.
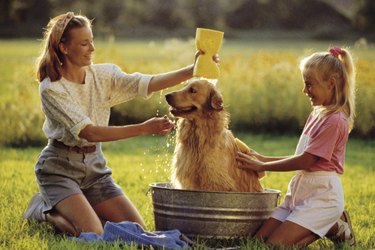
{"points": [[216, 100]]}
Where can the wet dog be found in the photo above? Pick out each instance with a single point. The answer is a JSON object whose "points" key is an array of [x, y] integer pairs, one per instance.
{"points": [[204, 155]]}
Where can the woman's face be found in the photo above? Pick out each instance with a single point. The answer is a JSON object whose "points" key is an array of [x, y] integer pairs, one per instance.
{"points": [[320, 92], [79, 48]]}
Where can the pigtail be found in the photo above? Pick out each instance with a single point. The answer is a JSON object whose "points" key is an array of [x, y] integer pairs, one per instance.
{"points": [[336, 63], [347, 102]]}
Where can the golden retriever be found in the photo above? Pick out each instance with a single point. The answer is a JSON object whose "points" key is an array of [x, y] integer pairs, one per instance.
{"points": [[204, 156]]}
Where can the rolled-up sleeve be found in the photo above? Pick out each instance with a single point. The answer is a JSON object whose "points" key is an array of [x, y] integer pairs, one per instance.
{"points": [[143, 86]]}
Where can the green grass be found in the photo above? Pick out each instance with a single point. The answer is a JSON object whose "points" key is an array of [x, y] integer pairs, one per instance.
{"points": [[140, 161], [260, 83], [255, 73]]}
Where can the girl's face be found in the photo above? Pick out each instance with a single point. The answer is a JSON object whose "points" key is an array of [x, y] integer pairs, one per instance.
{"points": [[79, 48], [319, 91]]}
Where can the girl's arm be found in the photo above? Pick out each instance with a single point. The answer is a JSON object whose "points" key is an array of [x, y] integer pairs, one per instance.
{"points": [[297, 162], [156, 125], [263, 158]]}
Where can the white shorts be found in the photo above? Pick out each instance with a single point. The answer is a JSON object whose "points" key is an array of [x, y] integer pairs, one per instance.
{"points": [[315, 201]]}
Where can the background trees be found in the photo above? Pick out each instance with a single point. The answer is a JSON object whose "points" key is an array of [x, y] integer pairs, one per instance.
{"points": [[321, 18]]}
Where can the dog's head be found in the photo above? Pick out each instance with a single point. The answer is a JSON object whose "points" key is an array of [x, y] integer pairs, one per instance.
{"points": [[196, 98]]}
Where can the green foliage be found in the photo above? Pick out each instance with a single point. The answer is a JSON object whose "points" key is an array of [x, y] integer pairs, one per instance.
{"points": [[140, 161], [320, 18], [260, 83]]}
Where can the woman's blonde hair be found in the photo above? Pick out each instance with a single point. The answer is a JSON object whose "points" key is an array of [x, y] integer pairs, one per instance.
{"points": [[49, 62], [337, 63]]}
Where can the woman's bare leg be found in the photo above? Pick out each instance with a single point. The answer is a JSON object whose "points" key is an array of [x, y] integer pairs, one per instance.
{"points": [[75, 215], [118, 209], [61, 224]]}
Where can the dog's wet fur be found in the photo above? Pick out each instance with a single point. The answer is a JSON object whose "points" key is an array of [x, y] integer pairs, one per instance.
{"points": [[204, 156]]}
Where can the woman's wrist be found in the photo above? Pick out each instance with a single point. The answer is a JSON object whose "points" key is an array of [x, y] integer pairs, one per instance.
{"points": [[188, 71]]}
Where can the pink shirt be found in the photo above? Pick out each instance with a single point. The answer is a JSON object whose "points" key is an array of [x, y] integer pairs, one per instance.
{"points": [[325, 137]]}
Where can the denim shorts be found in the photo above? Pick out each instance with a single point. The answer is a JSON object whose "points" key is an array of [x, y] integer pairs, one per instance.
{"points": [[61, 173]]}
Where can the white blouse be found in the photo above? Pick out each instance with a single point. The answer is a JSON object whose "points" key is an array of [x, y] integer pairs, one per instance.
{"points": [[69, 106]]}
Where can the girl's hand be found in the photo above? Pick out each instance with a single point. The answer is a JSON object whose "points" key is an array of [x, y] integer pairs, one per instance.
{"points": [[158, 125], [254, 153], [245, 161]]}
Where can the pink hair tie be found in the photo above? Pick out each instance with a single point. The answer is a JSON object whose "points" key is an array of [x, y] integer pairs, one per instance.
{"points": [[336, 51]]}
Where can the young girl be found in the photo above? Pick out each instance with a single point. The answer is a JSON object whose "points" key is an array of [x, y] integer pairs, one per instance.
{"points": [[314, 201], [77, 191]]}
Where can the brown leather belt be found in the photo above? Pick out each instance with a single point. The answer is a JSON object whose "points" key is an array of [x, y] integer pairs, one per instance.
{"points": [[79, 150]]}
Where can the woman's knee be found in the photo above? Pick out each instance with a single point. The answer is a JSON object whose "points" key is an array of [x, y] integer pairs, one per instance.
{"points": [[119, 209], [77, 211], [61, 224]]}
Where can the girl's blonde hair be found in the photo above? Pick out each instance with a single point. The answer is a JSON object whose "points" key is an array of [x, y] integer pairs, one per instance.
{"points": [[49, 62], [337, 63]]}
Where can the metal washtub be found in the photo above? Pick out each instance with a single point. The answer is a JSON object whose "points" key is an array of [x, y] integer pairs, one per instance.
{"points": [[205, 215]]}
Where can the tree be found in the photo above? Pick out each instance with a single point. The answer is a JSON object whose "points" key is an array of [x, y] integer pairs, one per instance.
{"points": [[365, 17]]}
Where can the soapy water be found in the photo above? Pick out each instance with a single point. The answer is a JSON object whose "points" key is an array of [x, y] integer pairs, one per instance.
{"points": [[160, 168], [164, 146]]}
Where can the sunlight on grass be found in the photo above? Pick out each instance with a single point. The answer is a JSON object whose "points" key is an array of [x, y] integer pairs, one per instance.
{"points": [[140, 161], [253, 73]]}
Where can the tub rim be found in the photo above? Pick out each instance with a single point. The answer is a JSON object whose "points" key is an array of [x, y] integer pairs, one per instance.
{"points": [[157, 185]]}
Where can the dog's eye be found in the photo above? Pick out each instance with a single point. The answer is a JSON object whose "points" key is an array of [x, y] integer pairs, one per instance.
{"points": [[192, 90]]}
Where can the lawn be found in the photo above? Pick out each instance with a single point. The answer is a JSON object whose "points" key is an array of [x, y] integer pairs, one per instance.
{"points": [[140, 161], [261, 74]]}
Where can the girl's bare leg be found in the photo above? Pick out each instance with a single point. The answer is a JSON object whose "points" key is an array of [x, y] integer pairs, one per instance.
{"points": [[291, 234], [267, 229]]}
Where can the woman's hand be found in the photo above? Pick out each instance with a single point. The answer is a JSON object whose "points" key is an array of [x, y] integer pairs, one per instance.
{"points": [[246, 161], [158, 125], [215, 58]]}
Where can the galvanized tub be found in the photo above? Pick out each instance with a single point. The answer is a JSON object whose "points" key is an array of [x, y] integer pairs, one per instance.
{"points": [[207, 215]]}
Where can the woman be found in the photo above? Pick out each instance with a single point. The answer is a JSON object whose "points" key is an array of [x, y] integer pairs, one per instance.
{"points": [[77, 191]]}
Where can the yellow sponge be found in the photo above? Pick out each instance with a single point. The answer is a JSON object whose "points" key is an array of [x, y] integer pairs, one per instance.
{"points": [[244, 148], [209, 41]]}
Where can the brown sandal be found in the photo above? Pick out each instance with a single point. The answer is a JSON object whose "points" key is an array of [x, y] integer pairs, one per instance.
{"points": [[345, 231]]}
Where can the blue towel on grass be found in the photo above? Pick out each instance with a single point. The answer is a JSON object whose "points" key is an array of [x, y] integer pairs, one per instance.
{"points": [[130, 232]]}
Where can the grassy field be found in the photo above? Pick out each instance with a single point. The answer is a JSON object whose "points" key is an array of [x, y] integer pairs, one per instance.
{"points": [[140, 161], [261, 74], [260, 83]]}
